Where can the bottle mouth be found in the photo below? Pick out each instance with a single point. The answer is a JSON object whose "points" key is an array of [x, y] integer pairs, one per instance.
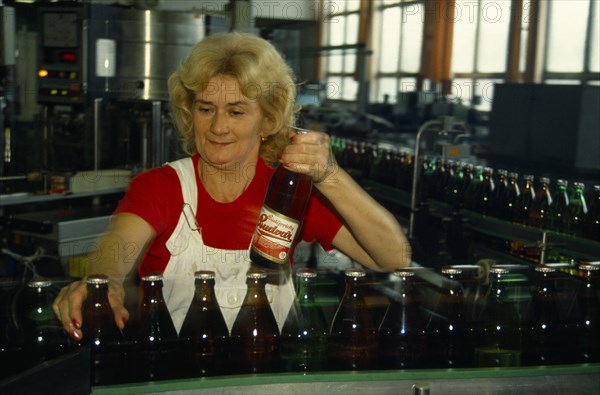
{"points": [[153, 277], [355, 272], [204, 275], [255, 275], [306, 273], [97, 279], [39, 283], [403, 273]]}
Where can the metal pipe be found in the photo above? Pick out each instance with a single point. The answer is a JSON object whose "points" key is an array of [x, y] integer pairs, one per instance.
{"points": [[415, 178], [157, 137], [543, 247], [97, 111]]}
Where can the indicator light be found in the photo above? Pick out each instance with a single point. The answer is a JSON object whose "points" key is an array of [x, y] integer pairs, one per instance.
{"points": [[68, 57]]}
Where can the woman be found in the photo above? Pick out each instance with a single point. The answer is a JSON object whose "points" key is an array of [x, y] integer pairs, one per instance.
{"points": [[233, 102]]}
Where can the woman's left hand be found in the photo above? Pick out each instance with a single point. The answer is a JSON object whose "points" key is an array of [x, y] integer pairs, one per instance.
{"points": [[310, 153]]}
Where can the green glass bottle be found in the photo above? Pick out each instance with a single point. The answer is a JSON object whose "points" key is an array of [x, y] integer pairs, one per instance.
{"points": [[577, 211], [557, 212], [305, 334], [498, 342], [592, 223], [43, 335]]}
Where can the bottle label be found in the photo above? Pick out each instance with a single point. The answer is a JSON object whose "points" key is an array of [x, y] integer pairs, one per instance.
{"points": [[274, 235]]}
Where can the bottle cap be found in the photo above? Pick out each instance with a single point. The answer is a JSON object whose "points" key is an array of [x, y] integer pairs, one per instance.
{"points": [[355, 272], [544, 269], [588, 267], [39, 283], [256, 275], [306, 273], [204, 275], [97, 279], [153, 277], [403, 273], [451, 270], [498, 270]]}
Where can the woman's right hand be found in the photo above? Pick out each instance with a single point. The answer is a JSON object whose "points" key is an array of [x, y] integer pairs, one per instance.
{"points": [[68, 306]]}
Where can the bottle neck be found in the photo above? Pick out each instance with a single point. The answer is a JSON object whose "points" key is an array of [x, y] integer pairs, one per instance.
{"points": [[305, 290], [98, 293], [204, 289], [152, 293], [256, 294]]}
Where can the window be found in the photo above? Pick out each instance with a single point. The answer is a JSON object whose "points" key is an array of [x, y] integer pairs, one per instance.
{"points": [[479, 49], [572, 54], [399, 39], [341, 28]]}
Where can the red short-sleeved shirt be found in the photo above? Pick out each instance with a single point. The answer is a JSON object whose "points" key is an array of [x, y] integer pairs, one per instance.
{"points": [[155, 195]]}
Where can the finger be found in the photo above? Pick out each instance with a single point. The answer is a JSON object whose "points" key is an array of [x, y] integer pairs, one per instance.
{"points": [[121, 317], [62, 309], [75, 316], [116, 297]]}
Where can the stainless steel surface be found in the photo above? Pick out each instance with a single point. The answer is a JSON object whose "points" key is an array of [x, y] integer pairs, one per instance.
{"points": [[158, 138], [564, 380], [97, 129], [152, 45], [7, 28], [63, 233]]}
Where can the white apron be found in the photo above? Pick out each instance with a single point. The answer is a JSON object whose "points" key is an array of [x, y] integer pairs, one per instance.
{"points": [[189, 254]]}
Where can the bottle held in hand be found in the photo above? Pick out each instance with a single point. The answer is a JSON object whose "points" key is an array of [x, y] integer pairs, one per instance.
{"points": [[280, 219]]}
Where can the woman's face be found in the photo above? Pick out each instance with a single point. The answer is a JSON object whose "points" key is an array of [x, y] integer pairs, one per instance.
{"points": [[227, 125]]}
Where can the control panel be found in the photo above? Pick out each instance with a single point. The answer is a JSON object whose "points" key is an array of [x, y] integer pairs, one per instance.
{"points": [[61, 56]]}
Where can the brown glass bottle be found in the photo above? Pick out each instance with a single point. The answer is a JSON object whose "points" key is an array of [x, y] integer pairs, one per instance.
{"points": [[255, 337], [157, 349], [280, 219], [402, 332], [525, 201], [353, 344], [587, 336], [449, 343], [543, 333], [538, 215], [484, 194], [305, 334], [43, 335], [204, 330], [101, 334], [501, 185], [509, 200]]}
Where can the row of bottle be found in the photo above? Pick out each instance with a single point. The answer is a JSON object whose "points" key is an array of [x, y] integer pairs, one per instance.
{"points": [[462, 331], [500, 193]]}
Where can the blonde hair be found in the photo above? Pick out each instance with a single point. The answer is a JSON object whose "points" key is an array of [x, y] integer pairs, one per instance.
{"points": [[262, 74]]}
